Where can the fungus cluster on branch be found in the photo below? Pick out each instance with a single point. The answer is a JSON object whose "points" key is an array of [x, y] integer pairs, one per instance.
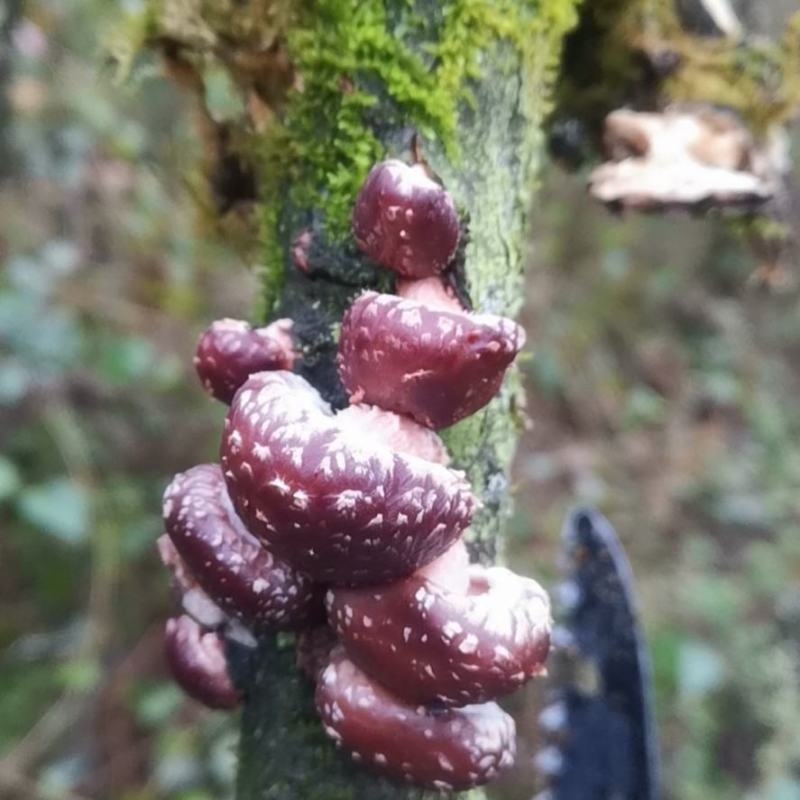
{"points": [[346, 526]]}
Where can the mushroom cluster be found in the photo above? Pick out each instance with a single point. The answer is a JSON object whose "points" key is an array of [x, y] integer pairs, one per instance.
{"points": [[347, 526]]}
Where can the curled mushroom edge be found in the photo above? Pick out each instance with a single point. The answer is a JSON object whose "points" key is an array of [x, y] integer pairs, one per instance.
{"points": [[344, 508], [230, 350], [444, 749], [430, 642]]}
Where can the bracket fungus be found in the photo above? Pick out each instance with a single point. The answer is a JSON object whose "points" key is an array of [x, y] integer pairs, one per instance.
{"points": [[197, 662], [234, 569], [431, 644], [334, 504], [406, 221], [447, 749], [682, 157], [436, 366], [230, 351]]}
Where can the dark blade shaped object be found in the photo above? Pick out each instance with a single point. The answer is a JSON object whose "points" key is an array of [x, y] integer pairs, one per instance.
{"points": [[602, 715]]}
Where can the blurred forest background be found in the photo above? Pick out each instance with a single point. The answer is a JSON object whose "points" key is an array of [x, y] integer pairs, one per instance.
{"points": [[663, 386]]}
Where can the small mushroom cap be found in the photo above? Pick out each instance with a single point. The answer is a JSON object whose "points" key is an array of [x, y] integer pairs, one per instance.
{"points": [[230, 350], [429, 644], [232, 566], [405, 221], [338, 505], [442, 749], [197, 662], [436, 366]]}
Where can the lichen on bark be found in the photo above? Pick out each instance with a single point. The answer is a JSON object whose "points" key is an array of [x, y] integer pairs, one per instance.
{"points": [[355, 81]]}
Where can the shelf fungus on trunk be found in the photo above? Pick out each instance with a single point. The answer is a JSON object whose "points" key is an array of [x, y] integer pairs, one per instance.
{"points": [[446, 749], [231, 350], [683, 157], [333, 503], [429, 643], [234, 569], [362, 501], [197, 662], [406, 221], [414, 358]]}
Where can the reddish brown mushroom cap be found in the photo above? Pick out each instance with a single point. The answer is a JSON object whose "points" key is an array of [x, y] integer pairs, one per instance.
{"points": [[331, 502], [452, 749], [436, 366], [428, 644], [230, 351], [230, 564], [405, 221], [197, 662]]}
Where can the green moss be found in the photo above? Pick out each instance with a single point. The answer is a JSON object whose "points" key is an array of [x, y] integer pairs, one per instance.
{"points": [[358, 74], [272, 273], [367, 74]]}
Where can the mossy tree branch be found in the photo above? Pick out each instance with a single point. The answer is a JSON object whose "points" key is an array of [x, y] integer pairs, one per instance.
{"points": [[322, 89], [314, 92]]}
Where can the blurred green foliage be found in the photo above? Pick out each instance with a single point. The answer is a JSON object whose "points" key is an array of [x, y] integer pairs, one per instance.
{"points": [[105, 284], [662, 387]]}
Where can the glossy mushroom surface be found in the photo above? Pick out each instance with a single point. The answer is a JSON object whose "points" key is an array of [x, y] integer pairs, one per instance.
{"points": [[230, 351], [236, 571], [197, 662], [330, 501], [436, 366], [445, 749], [430, 644], [406, 221]]}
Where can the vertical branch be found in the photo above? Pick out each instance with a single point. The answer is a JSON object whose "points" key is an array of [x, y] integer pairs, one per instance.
{"points": [[469, 81]]}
